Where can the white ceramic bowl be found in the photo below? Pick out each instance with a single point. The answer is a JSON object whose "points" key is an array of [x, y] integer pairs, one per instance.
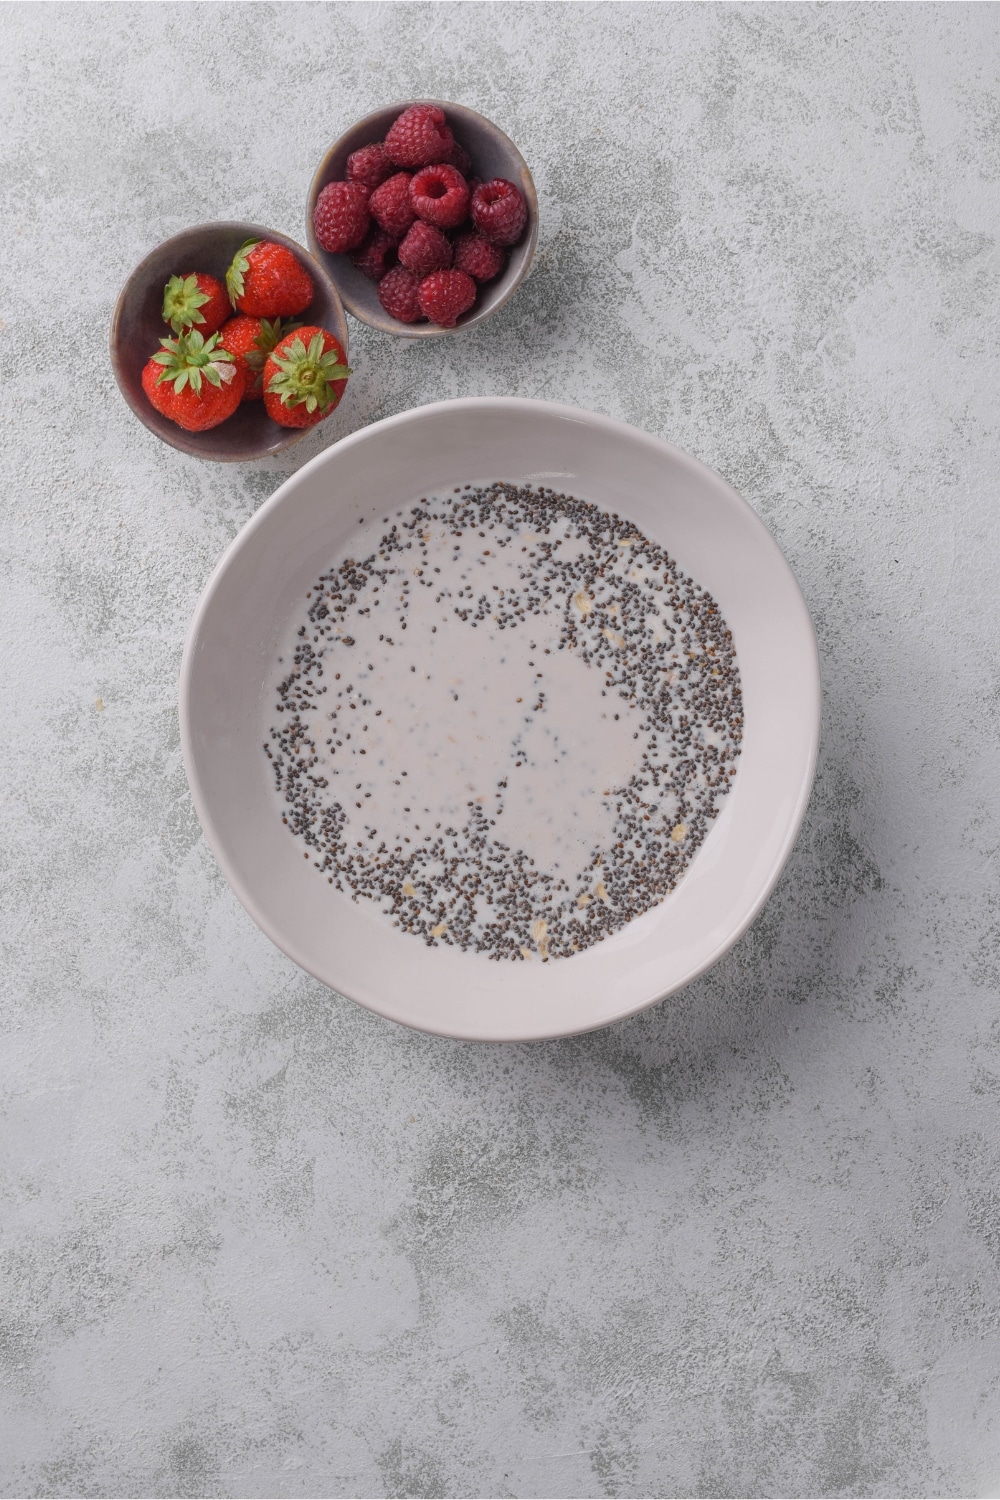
{"points": [[714, 536]]}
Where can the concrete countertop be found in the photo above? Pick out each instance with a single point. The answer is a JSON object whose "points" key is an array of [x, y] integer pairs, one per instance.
{"points": [[256, 1241]]}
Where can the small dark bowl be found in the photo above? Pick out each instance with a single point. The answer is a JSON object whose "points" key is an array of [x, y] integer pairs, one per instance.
{"points": [[137, 327], [493, 155]]}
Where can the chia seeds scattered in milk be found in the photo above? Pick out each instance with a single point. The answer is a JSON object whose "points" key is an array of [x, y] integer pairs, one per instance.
{"points": [[509, 722]]}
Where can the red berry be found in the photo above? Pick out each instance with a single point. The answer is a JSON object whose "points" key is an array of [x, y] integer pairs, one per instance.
{"points": [[341, 216], [425, 249], [390, 205], [419, 136], [478, 257], [193, 382], [445, 295], [375, 254], [369, 166], [304, 377], [250, 341], [266, 281], [459, 158], [499, 211], [440, 195], [399, 294], [196, 300]]}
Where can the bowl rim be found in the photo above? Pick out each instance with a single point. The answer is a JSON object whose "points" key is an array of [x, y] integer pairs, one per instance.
{"points": [[811, 708], [391, 326], [140, 408]]}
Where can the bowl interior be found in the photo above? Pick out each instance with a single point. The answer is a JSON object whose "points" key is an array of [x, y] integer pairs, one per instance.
{"points": [[711, 532], [137, 327], [493, 155]]}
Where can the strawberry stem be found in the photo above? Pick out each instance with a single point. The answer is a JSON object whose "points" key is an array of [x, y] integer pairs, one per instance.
{"points": [[306, 375], [189, 358], [238, 269], [181, 301]]}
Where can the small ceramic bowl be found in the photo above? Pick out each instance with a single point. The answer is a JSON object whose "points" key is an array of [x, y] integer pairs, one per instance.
{"points": [[137, 327], [493, 155]]}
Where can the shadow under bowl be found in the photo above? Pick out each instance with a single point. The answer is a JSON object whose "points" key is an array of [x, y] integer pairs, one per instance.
{"points": [[493, 155], [137, 326]]}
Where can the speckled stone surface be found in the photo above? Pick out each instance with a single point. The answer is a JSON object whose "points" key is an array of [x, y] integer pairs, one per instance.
{"points": [[258, 1242]]}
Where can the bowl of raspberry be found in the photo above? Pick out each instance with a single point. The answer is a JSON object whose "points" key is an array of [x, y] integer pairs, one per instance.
{"points": [[229, 342], [425, 217]]}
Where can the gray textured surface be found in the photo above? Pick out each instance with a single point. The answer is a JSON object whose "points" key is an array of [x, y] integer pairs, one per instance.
{"points": [[258, 1242]]}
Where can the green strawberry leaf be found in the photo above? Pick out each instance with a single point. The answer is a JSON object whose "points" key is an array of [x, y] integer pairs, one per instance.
{"points": [[189, 356], [271, 334], [238, 269], [181, 301], [306, 376]]}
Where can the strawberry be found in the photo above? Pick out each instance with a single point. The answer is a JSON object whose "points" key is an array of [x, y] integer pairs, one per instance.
{"points": [[304, 377], [250, 341], [195, 301], [266, 281], [193, 382]]}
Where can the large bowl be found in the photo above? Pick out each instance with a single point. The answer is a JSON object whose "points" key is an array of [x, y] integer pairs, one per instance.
{"points": [[493, 155], [257, 589], [137, 326]]}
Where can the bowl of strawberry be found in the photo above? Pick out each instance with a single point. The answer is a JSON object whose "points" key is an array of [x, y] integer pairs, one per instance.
{"points": [[425, 217], [229, 342]]}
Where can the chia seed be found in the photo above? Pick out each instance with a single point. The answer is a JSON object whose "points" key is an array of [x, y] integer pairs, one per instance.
{"points": [[578, 584]]}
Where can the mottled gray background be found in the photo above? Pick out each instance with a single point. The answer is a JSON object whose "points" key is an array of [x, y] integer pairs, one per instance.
{"points": [[257, 1242]]}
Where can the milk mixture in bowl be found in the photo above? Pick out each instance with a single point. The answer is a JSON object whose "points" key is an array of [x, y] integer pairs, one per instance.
{"points": [[507, 718]]}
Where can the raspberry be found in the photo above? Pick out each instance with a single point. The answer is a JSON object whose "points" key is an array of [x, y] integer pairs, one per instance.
{"points": [[459, 158], [425, 249], [445, 295], [375, 254], [398, 293], [390, 205], [440, 195], [369, 166], [418, 137], [499, 211], [340, 217], [477, 257]]}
